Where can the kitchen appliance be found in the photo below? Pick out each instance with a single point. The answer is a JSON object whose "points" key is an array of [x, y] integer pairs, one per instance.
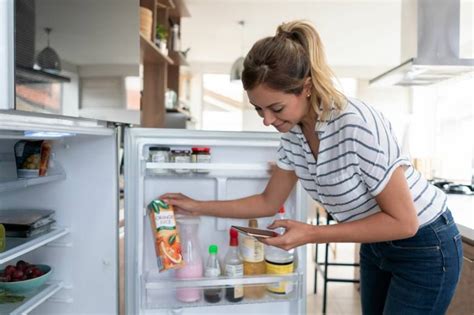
{"points": [[453, 188], [430, 45], [239, 168], [82, 188], [85, 75]]}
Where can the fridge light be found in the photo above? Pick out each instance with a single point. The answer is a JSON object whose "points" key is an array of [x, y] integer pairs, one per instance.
{"points": [[48, 134]]}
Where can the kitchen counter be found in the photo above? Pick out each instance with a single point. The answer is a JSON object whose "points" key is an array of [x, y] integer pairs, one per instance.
{"points": [[462, 208]]}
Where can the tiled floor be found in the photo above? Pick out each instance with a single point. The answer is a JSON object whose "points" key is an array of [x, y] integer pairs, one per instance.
{"points": [[343, 298]]}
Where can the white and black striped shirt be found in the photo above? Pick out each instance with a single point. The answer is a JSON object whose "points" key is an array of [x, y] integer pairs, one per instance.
{"points": [[358, 153]]}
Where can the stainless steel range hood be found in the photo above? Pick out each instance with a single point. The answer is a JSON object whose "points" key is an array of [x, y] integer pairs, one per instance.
{"points": [[430, 45]]}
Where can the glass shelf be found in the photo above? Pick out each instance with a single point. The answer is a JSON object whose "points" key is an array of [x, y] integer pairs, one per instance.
{"points": [[20, 183], [32, 300], [18, 246]]}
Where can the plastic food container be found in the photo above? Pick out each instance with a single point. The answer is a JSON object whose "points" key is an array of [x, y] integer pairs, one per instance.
{"points": [[32, 158]]}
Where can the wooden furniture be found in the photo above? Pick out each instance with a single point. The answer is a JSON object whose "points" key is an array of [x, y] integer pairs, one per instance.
{"points": [[463, 302], [160, 71]]}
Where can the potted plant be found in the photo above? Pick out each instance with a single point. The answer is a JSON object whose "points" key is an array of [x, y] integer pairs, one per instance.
{"points": [[161, 37]]}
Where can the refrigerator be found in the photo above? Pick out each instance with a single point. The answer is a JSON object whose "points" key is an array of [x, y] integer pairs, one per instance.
{"points": [[82, 188], [239, 167]]}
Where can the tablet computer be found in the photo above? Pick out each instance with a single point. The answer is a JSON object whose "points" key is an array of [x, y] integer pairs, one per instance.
{"points": [[255, 232]]}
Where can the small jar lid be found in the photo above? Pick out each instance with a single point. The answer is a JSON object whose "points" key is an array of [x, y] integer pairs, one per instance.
{"points": [[201, 150], [159, 149]]}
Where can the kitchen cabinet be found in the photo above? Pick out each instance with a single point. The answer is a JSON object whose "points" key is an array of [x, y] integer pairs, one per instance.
{"points": [[462, 302], [161, 70]]}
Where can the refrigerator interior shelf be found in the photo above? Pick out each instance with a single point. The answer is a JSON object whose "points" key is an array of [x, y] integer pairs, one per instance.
{"points": [[32, 299], [20, 183], [153, 283], [17, 246]]}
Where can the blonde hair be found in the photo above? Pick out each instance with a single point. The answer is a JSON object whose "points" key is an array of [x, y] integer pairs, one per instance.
{"points": [[284, 62]]}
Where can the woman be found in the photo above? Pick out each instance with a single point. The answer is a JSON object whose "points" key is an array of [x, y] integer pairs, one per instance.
{"points": [[346, 156]]}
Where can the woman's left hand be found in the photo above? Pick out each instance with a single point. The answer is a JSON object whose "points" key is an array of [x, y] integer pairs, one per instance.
{"points": [[296, 234]]}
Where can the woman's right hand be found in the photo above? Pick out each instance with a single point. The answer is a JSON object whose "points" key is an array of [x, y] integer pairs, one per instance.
{"points": [[182, 203]]}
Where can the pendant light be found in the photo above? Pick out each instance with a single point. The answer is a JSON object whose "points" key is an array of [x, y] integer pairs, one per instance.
{"points": [[238, 65], [48, 59]]}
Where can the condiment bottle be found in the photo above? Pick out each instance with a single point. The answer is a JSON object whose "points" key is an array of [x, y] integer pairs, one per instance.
{"points": [[234, 268], [279, 262], [254, 263], [213, 270]]}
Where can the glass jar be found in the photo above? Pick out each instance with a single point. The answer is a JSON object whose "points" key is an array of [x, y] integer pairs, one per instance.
{"points": [[181, 156], [159, 155], [201, 155]]}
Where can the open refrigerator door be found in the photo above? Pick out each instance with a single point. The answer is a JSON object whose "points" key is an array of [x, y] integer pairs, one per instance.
{"points": [[79, 194], [239, 167]]}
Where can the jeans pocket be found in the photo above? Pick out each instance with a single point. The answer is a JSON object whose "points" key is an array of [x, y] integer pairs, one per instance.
{"points": [[458, 245], [402, 245]]}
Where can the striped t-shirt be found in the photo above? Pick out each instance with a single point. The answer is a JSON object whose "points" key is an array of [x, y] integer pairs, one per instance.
{"points": [[358, 153]]}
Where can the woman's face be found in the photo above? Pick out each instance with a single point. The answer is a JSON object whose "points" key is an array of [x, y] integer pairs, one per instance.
{"points": [[281, 110]]}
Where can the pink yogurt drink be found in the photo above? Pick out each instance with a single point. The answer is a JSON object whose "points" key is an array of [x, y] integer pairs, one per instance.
{"points": [[192, 270]]}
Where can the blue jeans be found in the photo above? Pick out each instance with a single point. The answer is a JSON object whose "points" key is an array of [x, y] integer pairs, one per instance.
{"points": [[417, 275]]}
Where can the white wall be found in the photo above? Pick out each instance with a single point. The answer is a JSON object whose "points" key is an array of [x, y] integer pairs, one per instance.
{"points": [[355, 33], [443, 121], [393, 101]]}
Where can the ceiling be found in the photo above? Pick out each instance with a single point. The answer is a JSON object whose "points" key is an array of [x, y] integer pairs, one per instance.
{"points": [[361, 37]]}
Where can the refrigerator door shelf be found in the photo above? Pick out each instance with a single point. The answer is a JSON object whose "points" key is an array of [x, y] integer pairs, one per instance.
{"points": [[17, 247], [209, 166], [153, 283], [228, 170], [157, 291], [33, 299]]}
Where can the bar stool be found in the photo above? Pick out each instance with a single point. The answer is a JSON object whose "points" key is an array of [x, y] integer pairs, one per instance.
{"points": [[326, 264]]}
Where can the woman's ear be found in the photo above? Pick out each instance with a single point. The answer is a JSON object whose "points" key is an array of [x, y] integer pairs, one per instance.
{"points": [[307, 87]]}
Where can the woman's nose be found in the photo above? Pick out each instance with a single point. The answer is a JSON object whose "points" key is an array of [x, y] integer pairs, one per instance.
{"points": [[268, 118]]}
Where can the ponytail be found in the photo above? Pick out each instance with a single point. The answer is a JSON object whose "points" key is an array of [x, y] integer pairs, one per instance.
{"points": [[284, 61]]}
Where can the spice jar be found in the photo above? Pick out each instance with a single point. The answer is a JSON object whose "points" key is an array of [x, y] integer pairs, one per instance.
{"points": [[201, 155], [181, 156], [159, 155]]}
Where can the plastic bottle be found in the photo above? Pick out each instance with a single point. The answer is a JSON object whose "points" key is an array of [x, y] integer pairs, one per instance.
{"points": [[234, 268], [193, 267], [280, 262], [213, 270], [254, 262]]}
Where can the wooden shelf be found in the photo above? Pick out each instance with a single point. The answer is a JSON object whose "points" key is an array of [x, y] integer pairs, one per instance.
{"points": [[151, 54], [178, 58], [165, 4], [179, 10]]}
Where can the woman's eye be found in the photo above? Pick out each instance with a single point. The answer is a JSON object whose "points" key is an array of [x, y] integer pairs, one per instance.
{"points": [[278, 110]]}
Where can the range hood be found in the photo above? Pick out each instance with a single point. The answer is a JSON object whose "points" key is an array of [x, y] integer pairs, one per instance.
{"points": [[430, 45]]}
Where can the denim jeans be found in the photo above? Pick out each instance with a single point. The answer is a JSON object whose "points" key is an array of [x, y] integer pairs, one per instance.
{"points": [[417, 275]]}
